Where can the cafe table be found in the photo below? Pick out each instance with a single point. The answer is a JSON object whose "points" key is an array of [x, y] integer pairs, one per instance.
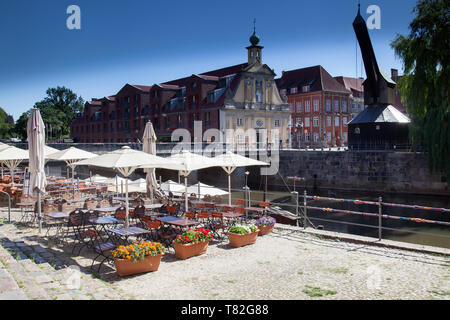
{"points": [[153, 206], [121, 235], [106, 209], [181, 223], [60, 218]]}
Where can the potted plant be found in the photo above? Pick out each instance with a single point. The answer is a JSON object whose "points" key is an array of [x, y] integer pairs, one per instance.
{"points": [[242, 234], [138, 257], [191, 243], [265, 225]]}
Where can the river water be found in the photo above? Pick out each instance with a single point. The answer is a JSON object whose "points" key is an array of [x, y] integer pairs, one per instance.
{"points": [[405, 231]]}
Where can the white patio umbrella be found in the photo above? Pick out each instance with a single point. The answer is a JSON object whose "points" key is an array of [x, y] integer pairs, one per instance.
{"points": [[172, 186], [206, 189], [3, 146], [12, 157], [36, 151], [229, 161], [70, 156], [186, 162], [125, 161], [149, 146]]}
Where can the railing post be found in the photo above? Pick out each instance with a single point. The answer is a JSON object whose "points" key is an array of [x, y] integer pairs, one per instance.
{"points": [[304, 209], [295, 194], [380, 218]]}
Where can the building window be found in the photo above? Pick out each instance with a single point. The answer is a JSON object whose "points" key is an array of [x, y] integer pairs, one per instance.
{"points": [[307, 124], [291, 106], [328, 105], [345, 137], [277, 123], [344, 106], [316, 136], [329, 121], [329, 136], [344, 121], [357, 131], [336, 121], [316, 105], [258, 95], [240, 122], [305, 88], [283, 92], [316, 121], [294, 90], [307, 106], [336, 105], [307, 136], [299, 107]]}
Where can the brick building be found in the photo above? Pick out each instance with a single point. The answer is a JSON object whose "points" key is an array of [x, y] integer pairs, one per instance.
{"points": [[243, 96], [320, 107], [355, 86]]}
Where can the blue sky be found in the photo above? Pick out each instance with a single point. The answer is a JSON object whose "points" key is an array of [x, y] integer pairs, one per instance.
{"points": [[147, 42]]}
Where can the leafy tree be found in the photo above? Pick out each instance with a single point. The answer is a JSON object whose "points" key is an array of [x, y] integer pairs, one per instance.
{"points": [[424, 88], [6, 125], [58, 109]]}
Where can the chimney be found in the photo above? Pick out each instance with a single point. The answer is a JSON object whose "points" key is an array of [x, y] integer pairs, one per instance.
{"points": [[394, 74]]}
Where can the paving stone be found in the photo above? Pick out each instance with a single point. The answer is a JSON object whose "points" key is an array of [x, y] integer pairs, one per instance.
{"points": [[13, 295], [64, 296], [8, 284], [37, 293]]}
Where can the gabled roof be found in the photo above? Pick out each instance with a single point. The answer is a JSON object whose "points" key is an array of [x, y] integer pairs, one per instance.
{"points": [[316, 77], [141, 87], [380, 114], [354, 84]]}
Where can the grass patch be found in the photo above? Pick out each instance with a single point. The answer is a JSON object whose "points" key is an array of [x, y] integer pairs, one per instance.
{"points": [[317, 291], [337, 270], [440, 293]]}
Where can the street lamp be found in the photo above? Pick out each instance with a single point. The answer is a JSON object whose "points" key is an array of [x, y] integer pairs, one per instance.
{"points": [[299, 125]]}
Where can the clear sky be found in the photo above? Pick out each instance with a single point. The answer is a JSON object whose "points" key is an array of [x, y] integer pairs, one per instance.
{"points": [[148, 41]]}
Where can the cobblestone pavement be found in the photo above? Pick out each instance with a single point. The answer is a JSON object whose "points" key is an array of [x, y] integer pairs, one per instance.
{"points": [[287, 264]]}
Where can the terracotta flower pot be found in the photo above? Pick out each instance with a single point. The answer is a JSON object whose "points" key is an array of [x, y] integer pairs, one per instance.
{"points": [[126, 267], [265, 230], [239, 240], [184, 251]]}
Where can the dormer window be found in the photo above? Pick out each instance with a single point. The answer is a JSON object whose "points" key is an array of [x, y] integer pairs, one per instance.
{"points": [[294, 90], [305, 88], [194, 86]]}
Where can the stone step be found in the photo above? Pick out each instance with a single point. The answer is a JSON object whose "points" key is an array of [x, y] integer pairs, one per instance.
{"points": [[39, 272]]}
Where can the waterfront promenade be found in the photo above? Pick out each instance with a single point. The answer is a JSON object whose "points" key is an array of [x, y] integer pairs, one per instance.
{"points": [[289, 264]]}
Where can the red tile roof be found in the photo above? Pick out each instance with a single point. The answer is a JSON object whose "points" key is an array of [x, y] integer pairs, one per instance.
{"points": [[316, 77], [141, 87]]}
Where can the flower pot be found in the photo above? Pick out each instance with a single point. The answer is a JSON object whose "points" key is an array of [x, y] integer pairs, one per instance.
{"points": [[265, 230], [184, 251], [126, 267], [239, 240]]}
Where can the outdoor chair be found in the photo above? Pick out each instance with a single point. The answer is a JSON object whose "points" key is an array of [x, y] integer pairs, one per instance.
{"points": [[209, 206], [207, 198], [189, 215], [76, 225], [104, 203], [101, 247], [171, 210], [264, 205], [227, 209], [138, 212], [240, 202], [218, 225], [204, 217], [90, 204], [217, 199], [159, 232]]}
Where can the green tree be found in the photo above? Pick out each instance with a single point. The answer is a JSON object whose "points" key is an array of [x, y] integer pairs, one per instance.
{"points": [[424, 88], [6, 127], [58, 109]]}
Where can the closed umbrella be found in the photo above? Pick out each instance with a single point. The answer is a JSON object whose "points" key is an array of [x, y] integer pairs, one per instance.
{"points": [[125, 161], [149, 146], [186, 162], [229, 161], [36, 150]]}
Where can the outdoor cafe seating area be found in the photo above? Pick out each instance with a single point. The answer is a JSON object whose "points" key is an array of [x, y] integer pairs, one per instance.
{"points": [[95, 221]]}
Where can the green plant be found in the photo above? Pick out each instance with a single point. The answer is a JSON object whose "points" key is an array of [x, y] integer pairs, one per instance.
{"points": [[317, 291], [194, 236], [138, 250], [243, 228]]}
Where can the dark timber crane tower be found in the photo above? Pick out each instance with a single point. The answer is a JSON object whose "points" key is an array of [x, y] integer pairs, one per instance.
{"points": [[380, 125]]}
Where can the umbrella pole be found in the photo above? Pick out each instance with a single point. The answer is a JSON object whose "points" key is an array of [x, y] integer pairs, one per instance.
{"points": [[229, 189], [73, 182], [39, 210], [126, 204], [185, 194]]}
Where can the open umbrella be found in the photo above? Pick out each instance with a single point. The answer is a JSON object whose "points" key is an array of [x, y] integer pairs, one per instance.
{"points": [[70, 156], [36, 151], [186, 162], [125, 161], [12, 157], [149, 146], [203, 189], [172, 186], [229, 161]]}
